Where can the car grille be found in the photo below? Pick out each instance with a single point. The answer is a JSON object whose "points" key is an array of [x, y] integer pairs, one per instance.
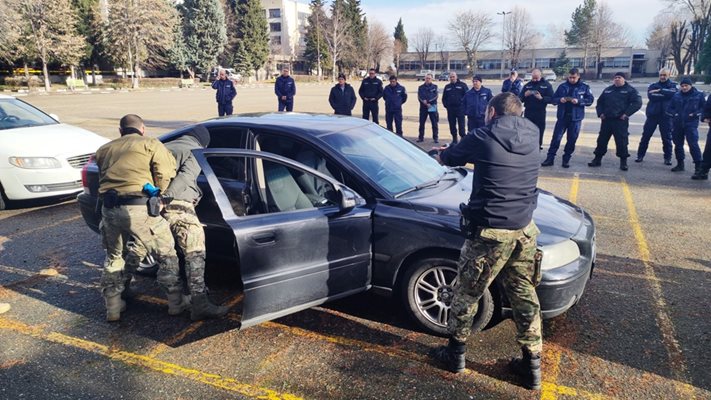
{"points": [[79, 161], [54, 187]]}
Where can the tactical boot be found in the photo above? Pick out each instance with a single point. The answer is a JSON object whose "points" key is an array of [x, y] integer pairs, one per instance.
{"points": [[667, 161], [697, 167], [114, 307], [177, 303], [596, 162], [451, 356], [548, 162], [566, 162], [639, 159], [528, 367], [679, 166], [623, 164], [202, 308], [127, 293], [701, 175]]}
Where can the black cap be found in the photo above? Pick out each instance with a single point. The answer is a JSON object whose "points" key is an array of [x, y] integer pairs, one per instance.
{"points": [[685, 81], [621, 74], [477, 78], [341, 75], [130, 123], [200, 133]]}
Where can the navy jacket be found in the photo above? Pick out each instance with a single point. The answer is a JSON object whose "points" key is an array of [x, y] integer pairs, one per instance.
{"points": [[506, 156], [394, 97], [371, 89], [580, 91], [513, 87], [453, 94], [428, 93], [226, 91], [342, 101], [659, 101], [707, 110], [687, 108], [285, 86], [616, 101], [475, 102], [531, 103]]}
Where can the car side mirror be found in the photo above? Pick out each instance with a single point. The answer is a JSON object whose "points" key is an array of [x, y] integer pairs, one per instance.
{"points": [[349, 199], [54, 117]]}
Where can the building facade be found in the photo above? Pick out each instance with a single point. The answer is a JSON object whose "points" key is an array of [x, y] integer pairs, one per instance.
{"points": [[635, 62], [287, 21]]}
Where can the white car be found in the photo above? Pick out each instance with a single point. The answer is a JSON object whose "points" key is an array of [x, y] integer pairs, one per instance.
{"points": [[40, 157]]}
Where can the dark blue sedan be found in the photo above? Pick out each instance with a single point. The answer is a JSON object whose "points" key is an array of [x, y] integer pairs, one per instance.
{"points": [[311, 208]]}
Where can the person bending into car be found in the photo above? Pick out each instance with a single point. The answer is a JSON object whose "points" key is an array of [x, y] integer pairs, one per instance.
{"points": [[226, 92], [183, 194], [500, 233]]}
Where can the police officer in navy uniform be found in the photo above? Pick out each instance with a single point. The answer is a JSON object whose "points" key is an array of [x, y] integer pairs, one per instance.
{"points": [[370, 91], [571, 97], [703, 172], [659, 95], [535, 95], [342, 97], [513, 84], [615, 106], [285, 90], [226, 92], [452, 97], [427, 95], [686, 107], [475, 102], [395, 96]]}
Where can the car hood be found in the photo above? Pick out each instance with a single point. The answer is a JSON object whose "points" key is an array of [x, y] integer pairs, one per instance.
{"points": [[557, 219], [56, 140]]}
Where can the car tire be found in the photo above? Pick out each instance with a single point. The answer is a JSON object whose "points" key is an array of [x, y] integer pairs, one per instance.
{"points": [[3, 199], [427, 290]]}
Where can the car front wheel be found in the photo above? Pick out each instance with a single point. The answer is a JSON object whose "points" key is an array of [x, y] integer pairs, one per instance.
{"points": [[428, 290]]}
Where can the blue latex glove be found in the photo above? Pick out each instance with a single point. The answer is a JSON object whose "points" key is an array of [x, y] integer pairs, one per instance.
{"points": [[151, 190]]}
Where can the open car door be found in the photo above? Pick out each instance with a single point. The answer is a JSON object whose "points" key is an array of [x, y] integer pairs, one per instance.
{"points": [[302, 237]]}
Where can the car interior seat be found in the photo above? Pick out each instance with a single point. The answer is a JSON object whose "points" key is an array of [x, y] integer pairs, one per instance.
{"points": [[283, 193], [312, 185]]}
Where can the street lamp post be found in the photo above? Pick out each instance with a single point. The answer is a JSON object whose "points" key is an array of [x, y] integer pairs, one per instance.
{"points": [[503, 39]]}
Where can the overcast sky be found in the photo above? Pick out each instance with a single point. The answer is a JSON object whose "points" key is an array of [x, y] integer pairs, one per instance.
{"points": [[637, 15]]}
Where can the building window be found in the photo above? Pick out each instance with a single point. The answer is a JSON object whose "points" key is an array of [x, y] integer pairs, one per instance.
{"points": [[274, 13], [276, 40], [275, 27]]}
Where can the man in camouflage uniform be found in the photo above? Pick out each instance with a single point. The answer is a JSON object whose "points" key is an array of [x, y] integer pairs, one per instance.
{"points": [[125, 165], [500, 232], [188, 232]]}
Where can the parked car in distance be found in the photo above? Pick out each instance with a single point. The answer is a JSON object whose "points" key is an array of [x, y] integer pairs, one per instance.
{"points": [[444, 76], [550, 76], [40, 157], [527, 77], [231, 74], [309, 208], [420, 76]]}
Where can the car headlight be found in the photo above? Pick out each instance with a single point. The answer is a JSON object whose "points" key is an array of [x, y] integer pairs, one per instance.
{"points": [[35, 162], [559, 254]]}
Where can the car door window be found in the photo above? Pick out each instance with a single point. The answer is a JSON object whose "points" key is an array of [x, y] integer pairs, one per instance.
{"points": [[289, 189], [230, 171]]}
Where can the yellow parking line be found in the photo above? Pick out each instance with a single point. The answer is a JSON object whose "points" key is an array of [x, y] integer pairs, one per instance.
{"points": [[146, 362], [573, 197], [664, 321]]}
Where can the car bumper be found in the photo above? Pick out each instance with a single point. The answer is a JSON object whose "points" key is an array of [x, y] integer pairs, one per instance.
{"points": [[26, 184], [556, 296], [87, 207]]}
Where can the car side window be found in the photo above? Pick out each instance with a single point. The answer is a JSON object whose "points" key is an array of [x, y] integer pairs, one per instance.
{"points": [[231, 172], [284, 188], [226, 136]]}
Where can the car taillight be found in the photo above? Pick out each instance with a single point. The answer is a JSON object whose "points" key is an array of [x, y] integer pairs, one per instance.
{"points": [[84, 181]]}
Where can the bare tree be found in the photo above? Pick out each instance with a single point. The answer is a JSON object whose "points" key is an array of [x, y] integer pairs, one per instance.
{"points": [[397, 52], [698, 25], [423, 42], [519, 34], [471, 30], [441, 46], [139, 33], [555, 35], [336, 35], [377, 44], [659, 37], [679, 39], [605, 33]]}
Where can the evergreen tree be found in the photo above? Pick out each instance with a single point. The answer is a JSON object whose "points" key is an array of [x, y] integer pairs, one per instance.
{"points": [[204, 34], [316, 46], [562, 64], [252, 50], [400, 35], [703, 65], [582, 22], [229, 8], [358, 31]]}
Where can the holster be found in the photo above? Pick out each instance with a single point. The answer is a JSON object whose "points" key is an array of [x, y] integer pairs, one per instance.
{"points": [[154, 204], [466, 226], [110, 199], [537, 261]]}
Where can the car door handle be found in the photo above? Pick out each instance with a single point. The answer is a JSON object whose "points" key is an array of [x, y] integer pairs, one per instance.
{"points": [[264, 238]]}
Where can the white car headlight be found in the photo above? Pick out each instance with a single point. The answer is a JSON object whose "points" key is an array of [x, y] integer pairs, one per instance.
{"points": [[35, 162], [559, 254]]}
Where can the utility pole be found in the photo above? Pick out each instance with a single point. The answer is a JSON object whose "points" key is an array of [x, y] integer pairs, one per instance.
{"points": [[503, 40], [318, 47]]}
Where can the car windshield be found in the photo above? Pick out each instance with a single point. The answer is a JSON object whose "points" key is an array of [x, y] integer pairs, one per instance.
{"points": [[18, 114], [394, 164]]}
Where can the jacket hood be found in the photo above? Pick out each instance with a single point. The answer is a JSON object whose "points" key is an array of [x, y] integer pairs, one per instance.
{"points": [[201, 134], [516, 134]]}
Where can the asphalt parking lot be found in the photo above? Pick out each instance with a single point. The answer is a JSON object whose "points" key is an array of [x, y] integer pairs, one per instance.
{"points": [[641, 331]]}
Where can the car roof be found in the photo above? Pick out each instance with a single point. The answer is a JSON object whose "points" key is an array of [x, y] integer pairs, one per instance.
{"points": [[306, 123], [4, 96]]}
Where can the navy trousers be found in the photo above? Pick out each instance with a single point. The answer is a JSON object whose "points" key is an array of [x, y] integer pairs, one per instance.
{"points": [[572, 131], [455, 117], [650, 125], [224, 109], [396, 116], [370, 108], [474, 123], [434, 119], [538, 118], [617, 128], [286, 105], [691, 134]]}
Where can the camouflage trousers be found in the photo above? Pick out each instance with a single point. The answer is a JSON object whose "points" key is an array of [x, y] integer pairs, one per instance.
{"points": [[511, 253], [190, 239], [153, 234]]}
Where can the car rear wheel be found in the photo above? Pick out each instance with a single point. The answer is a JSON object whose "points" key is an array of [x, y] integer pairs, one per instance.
{"points": [[428, 290], [3, 204]]}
